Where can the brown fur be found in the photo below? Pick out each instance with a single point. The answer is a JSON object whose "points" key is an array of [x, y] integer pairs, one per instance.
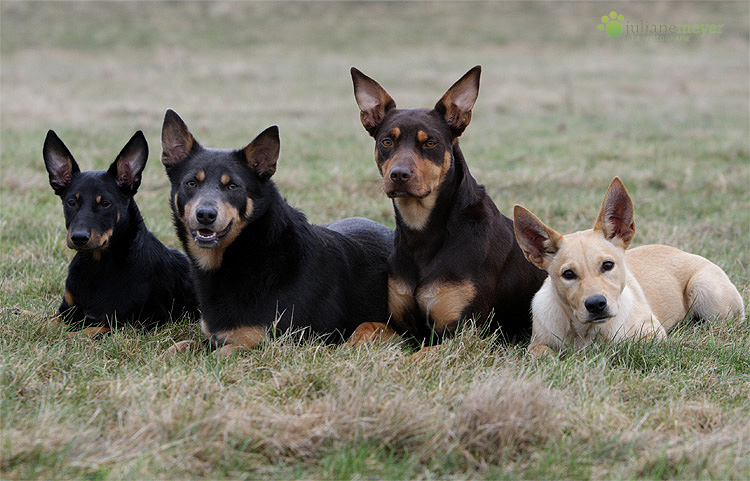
{"points": [[416, 210], [444, 303], [90, 331], [246, 337], [372, 331], [454, 253], [400, 297], [210, 259]]}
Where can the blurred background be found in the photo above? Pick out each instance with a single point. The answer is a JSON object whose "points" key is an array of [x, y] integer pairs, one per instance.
{"points": [[563, 107]]}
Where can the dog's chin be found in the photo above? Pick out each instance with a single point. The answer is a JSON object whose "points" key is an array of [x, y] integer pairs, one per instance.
{"points": [[207, 238], [405, 194], [599, 319]]}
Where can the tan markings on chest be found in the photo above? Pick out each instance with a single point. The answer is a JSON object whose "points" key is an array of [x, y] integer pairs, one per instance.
{"points": [[400, 298], [445, 302]]}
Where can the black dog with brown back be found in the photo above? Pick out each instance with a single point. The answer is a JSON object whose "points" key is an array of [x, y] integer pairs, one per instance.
{"points": [[455, 255]]}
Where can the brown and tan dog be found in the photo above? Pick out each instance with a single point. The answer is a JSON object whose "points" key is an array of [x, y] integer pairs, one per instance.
{"points": [[454, 254], [598, 288]]}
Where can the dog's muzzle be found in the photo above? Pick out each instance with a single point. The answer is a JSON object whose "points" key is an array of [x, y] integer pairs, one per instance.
{"points": [[207, 238]]}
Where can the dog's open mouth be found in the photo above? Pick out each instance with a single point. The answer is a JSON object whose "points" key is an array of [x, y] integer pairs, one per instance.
{"points": [[208, 238]]}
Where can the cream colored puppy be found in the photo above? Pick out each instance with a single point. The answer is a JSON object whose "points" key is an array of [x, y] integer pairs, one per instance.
{"points": [[596, 287]]}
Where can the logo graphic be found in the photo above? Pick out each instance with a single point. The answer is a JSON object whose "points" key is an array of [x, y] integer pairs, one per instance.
{"points": [[612, 24]]}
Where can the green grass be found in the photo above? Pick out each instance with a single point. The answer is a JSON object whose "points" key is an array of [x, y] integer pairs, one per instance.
{"points": [[562, 109]]}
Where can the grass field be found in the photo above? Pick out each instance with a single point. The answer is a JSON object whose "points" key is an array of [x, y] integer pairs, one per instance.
{"points": [[562, 109]]}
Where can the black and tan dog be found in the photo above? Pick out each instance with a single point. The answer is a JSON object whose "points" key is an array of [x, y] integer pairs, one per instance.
{"points": [[121, 272], [455, 255], [258, 264]]}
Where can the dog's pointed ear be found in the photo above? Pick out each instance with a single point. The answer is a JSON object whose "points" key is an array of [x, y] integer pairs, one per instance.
{"points": [[262, 153], [129, 164], [457, 102], [538, 242], [616, 219], [60, 164], [372, 99], [176, 140]]}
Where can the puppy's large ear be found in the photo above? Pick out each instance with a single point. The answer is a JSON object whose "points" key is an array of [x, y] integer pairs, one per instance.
{"points": [[456, 104], [59, 162], [262, 153], [129, 164], [372, 99], [616, 219], [538, 242], [176, 140]]}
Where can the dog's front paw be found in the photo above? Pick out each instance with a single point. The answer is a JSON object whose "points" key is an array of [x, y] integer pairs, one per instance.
{"points": [[55, 322], [182, 347], [423, 353], [227, 351], [372, 332], [540, 350], [93, 332]]}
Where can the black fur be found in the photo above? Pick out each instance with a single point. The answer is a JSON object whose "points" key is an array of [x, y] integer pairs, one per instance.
{"points": [[462, 237], [121, 273], [257, 262]]}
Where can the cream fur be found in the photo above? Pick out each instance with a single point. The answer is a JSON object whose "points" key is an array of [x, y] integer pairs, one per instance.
{"points": [[647, 289]]}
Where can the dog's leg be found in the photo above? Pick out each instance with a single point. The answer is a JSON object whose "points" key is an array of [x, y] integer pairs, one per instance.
{"points": [[181, 347], [92, 331], [372, 332], [652, 329], [238, 339], [68, 313], [17, 311], [228, 350], [712, 295], [419, 355], [55, 322], [540, 350]]}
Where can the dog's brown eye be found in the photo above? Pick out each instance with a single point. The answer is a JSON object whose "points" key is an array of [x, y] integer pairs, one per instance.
{"points": [[71, 202], [105, 203], [569, 275], [190, 183], [386, 143], [430, 144], [232, 186], [607, 266]]}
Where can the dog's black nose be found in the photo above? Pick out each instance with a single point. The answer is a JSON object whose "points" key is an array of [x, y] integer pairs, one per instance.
{"points": [[400, 174], [206, 215], [596, 304], [79, 238]]}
